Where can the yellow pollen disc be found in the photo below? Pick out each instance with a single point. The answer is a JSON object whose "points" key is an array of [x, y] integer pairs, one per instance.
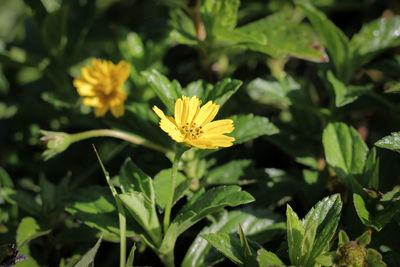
{"points": [[191, 132]]}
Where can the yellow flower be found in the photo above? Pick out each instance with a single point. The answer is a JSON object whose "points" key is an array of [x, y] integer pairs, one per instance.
{"points": [[101, 84], [194, 126]]}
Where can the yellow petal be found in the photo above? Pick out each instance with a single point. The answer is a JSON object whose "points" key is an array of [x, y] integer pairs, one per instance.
{"points": [[206, 114], [178, 111], [87, 76], [117, 111], [168, 125], [217, 140], [101, 111], [91, 101], [218, 127], [194, 106], [84, 88]]}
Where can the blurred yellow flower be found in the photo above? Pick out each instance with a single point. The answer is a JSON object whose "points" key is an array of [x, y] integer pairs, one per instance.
{"points": [[101, 84], [194, 126]]}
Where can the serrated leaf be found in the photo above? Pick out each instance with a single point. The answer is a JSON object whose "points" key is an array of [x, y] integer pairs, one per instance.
{"points": [[373, 38], [346, 152], [88, 258], [260, 225], [161, 184], [333, 39], [219, 15], [295, 235], [199, 206], [167, 91], [391, 142], [277, 35], [248, 127], [327, 215], [268, 259], [346, 94]]}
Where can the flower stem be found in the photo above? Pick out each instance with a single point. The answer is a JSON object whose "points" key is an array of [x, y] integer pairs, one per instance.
{"points": [[178, 153], [117, 134]]}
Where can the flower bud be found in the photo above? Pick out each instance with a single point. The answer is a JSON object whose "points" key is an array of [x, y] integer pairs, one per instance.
{"points": [[351, 254], [55, 142]]}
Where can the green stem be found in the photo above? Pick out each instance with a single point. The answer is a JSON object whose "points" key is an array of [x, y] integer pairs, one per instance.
{"points": [[121, 214], [178, 153], [117, 134]]}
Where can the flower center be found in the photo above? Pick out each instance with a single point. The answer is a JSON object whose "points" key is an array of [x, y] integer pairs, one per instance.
{"points": [[191, 131]]}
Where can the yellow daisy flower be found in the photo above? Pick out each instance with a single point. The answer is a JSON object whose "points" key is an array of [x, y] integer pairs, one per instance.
{"points": [[101, 84], [194, 126]]}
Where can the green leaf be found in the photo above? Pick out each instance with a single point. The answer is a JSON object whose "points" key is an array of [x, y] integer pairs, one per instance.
{"points": [[24, 200], [325, 259], [133, 179], [183, 30], [222, 91], [346, 153], [227, 244], [248, 127], [94, 206], [347, 94], [161, 184], [245, 244], [129, 261], [88, 258], [277, 35], [373, 38], [363, 213], [333, 39], [47, 194], [266, 259], [295, 235], [343, 238], [54, 31], [29, 229], [199, 206], [129, 44], [228, 173], [260, 225], [327, 215], [370, 177], [5, 179], [219, 15], [218, 93], [285, 92], [143, 210], [374, 259], [391, 142], [365, 238], [167, 91]]}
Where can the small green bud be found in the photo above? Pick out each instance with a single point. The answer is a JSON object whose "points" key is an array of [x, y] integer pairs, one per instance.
{"points": [[55, 142], [351, 254]]}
